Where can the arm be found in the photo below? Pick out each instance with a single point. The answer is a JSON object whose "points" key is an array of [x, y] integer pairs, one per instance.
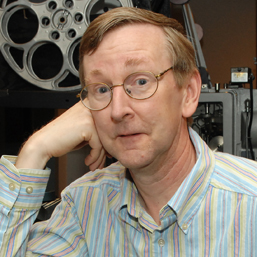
{"points": [[18, 210], [72, 130], [21, 195]]}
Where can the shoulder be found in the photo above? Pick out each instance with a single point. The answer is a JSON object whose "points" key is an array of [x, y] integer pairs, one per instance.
{"points": [[235, 173], [109, 177], [95, 193]]}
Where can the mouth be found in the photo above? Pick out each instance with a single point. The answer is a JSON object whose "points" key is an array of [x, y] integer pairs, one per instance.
{"points": [[131, 141], [130, 135], [130, 138]]}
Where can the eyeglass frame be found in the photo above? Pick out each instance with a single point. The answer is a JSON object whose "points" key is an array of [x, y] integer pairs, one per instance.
{"points": [[111, 87]]}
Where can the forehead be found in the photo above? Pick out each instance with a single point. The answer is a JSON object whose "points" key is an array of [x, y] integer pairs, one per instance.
{"points": [[129, 45], [139, 33]]}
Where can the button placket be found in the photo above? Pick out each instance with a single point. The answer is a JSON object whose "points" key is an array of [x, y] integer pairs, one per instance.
{"points": [[29, 190], [12, 186], [161, 242]]}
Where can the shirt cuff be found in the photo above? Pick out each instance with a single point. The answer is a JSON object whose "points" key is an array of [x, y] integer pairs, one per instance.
{"points": [[21, 188]]}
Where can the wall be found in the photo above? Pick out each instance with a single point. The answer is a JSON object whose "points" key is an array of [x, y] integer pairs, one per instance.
{"points": [[229, 38]]}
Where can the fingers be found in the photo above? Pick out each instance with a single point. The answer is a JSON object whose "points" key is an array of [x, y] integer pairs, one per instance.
{"points": [[96, 159], [102, 164]]}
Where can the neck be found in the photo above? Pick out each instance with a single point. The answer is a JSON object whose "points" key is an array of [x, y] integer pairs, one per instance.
{"points": [[158, 183]]}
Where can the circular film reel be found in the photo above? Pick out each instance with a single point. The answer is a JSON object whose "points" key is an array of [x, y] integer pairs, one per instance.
{"points": [[40, 39]]}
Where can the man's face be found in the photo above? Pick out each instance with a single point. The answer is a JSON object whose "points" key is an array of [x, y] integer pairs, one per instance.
{"points": [[136, 132]]}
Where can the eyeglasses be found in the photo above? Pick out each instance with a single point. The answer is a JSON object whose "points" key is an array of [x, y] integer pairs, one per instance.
{"points": [[138, 85]]}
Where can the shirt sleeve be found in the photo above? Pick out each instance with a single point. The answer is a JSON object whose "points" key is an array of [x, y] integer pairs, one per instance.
{"points": [[61, 235], [21, 196]]}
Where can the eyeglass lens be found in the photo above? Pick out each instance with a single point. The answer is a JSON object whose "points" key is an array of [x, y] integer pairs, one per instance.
{"points": [[139, 85]]}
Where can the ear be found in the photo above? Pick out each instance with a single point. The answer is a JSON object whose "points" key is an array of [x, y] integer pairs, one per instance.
{"points": [[192, 90]]}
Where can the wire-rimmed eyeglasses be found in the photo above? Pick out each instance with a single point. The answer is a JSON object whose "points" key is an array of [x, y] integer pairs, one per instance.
{"points": [[138, 85]]}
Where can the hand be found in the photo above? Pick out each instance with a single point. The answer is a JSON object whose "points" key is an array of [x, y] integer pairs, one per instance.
{"points": [[70, 131]]}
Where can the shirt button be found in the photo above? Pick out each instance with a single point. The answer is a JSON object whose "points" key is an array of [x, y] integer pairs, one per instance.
{"points": [[184, 226], [161, 242], [29, 190], [12, 186]]}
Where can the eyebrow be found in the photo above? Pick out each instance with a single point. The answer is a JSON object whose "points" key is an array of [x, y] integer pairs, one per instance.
{"points": [[130, 62], [135, 61], [95, 72]]}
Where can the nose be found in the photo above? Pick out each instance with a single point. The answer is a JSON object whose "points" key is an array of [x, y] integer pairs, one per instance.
{"points": [[120, 104]]}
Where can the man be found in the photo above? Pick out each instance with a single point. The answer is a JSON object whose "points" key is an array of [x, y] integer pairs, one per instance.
{"points": [[168, 194]]}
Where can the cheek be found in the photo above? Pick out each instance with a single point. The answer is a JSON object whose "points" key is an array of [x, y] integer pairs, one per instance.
{"points": [[167, 117], [102, 123], [174, 102], [169, 105]]}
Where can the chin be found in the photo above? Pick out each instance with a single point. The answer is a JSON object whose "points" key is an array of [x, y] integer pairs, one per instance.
{"points": [[132, 157], [133, 161]]}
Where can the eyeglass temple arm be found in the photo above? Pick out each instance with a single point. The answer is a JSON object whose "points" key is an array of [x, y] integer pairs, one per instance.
{"points": [[159, 75]]}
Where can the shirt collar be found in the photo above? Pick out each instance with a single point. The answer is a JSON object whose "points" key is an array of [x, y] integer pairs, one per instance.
{"points": [[129, 195], [187, 199], [131, 210], [130, 207]]}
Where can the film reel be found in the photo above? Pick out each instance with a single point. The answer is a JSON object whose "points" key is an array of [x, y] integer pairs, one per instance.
{"points": [[40, 39]]}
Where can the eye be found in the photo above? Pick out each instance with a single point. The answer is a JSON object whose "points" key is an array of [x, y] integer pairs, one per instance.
{"points": [[141, 82], [139, 79], [102, 90]]}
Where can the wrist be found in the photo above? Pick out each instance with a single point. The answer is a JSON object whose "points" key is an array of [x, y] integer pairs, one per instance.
{"points": [[32, 155]]}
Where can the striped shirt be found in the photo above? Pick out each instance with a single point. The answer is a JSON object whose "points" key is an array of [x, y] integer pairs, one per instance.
{"points": [[213, 213]]}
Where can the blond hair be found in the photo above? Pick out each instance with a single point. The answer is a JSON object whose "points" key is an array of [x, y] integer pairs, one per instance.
{"points": [[180, 49]]}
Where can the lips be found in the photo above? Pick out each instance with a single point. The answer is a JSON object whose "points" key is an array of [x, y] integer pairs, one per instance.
{"points": [[130, 138], [128, 135], [130, 132]]}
